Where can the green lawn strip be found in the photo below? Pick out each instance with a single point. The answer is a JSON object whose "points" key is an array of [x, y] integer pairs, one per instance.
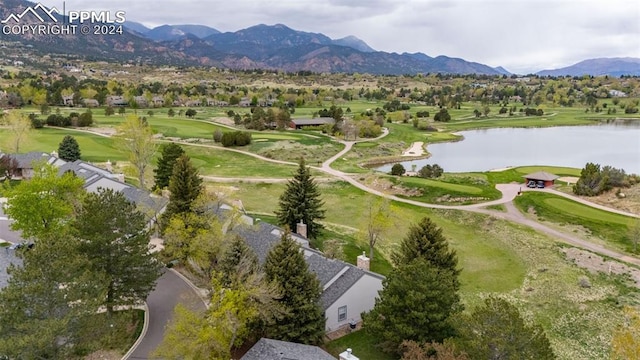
{"points": [[93, 147], [443, 192], [218, 162], [610, 227], [362, 345]]}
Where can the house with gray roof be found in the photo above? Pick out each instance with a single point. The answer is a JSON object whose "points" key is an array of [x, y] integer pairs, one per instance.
{"points": [[268, 349], [94, 178], [347, 290]]}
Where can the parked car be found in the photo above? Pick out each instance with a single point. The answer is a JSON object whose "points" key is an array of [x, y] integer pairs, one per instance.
{"points": [[22, 245], [531, 184], [540, 184]]}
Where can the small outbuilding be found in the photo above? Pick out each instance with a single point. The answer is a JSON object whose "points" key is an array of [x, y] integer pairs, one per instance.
{"points": [[540, 179], [320, 121]]}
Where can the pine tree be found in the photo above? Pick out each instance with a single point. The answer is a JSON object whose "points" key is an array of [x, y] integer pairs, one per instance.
{"points": [[114, 238], [301, 202], [426, 241], [300, 289], [237, 254], [170, 153], [68, 149], [39, 318], [496, 330], [185, 186], [415, 303]]}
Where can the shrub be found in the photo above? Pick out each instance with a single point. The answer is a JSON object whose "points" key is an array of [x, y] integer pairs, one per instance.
{"points": [[398, 170], [236, 138], [430, 171], [217, 135]]}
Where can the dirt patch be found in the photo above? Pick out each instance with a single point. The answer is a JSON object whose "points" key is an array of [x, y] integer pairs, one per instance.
{"points": [[388, 187], [568, 179], [223, 120], [595, 263], [627, 200], [290, 150], [109, 131]]}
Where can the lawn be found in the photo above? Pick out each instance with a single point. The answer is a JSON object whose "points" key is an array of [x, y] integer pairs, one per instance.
{"points": [[610, 228], [452, 190], [93, 147]]}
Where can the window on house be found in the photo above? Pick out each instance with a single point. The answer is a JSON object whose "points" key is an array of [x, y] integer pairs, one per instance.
{"points": [[342, 313]]}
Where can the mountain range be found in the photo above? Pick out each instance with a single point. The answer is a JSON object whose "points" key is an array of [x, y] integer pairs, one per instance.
{"points": [[265, 47]]}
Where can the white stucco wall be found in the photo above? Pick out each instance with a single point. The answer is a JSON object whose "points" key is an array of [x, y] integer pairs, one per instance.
{"points": [[359, 298]]}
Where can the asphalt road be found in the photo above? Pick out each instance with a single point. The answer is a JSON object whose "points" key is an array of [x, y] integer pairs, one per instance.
{"points": [[170, 290]]}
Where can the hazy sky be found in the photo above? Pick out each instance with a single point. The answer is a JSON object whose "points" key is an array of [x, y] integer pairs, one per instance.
{"points": [[521, 35]]}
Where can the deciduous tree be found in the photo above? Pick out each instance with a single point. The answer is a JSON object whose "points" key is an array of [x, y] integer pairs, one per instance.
{"points": [[137, 139], [301, 202], [170, 153], [626, 340], [377, 219], [44, 203], [68, 149], [19, 127], [300, 289], [412, 350]]}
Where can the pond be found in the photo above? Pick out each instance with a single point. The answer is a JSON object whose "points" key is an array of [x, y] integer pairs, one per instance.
{"points": [[616, 144]]}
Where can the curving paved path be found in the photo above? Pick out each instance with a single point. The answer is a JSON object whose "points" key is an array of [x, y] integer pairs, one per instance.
{"points": [[170, 290]]}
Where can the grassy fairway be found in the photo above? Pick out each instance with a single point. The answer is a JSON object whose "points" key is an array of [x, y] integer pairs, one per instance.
{"points": [[94, 148], [609, 227], [452, 189]]}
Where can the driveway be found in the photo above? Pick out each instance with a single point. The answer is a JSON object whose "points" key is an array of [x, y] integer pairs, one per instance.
{"points": [[170, 290]]}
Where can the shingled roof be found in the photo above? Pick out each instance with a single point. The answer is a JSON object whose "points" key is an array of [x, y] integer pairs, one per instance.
{"points": [[541, 175], [268, 349], [335, 276]]}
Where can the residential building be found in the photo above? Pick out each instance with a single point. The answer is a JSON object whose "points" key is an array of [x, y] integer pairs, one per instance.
{"points": [[347, 290], [268, 349]]}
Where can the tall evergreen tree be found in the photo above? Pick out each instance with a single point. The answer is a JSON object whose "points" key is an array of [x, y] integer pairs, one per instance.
{"points": [[426, 241], [301, 202], [416, 302], [496, 330], [68, 149], [170, 153], [237, 254], [185, 186], [114, 238], [38, 316], [300, 289]]}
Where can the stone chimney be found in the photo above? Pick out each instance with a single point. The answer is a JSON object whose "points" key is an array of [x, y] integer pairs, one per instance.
{"points": [[301, 229], [347, 355], [363, 262]]}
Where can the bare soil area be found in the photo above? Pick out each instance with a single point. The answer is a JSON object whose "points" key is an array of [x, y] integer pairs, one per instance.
{"points": [[223, 120], [628, 200], [595, 263], [388, 187]]}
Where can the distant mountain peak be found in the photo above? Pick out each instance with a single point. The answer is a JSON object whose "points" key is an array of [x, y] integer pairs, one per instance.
{"points": [[599, 66]]}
